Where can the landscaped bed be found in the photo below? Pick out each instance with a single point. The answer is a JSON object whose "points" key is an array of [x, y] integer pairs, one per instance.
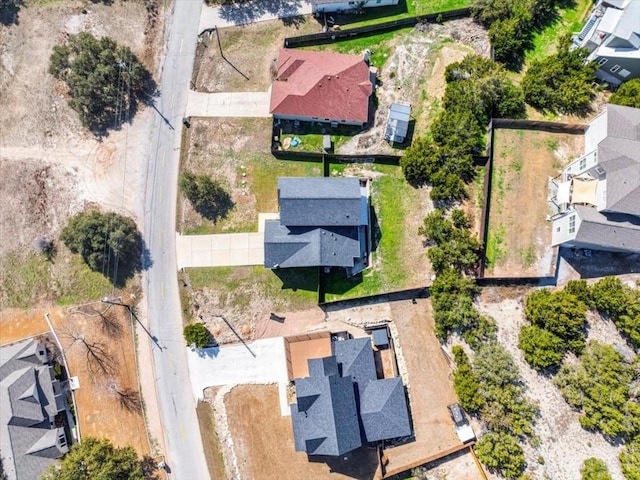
{"points": [[519, 234]]}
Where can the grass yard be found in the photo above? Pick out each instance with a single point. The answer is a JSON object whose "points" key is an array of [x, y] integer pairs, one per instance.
{"points": [[29, 279], [570, 20], [235, 152], [519, 235], [210, 439], [404, 9]]}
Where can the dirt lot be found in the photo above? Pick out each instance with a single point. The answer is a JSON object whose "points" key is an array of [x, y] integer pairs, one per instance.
{"points": [[250, 49], [519, 236], [104, 392], [564, 444]]}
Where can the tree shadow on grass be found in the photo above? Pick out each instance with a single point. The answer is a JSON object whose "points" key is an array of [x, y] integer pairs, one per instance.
{"points": [[217, 210]]}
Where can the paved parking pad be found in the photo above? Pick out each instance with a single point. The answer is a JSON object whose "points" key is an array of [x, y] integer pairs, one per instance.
{"points": [[259, 362], [221, 250], [228, 104]]}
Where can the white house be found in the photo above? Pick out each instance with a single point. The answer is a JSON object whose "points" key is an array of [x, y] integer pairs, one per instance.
{"points": [[596, 199]]}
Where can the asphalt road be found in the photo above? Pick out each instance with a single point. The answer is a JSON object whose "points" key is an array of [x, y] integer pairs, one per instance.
{"points": [[184, 450]]}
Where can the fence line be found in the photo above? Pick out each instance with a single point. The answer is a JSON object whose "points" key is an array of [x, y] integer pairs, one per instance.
{"points": [[551, 127], [368, 30]]}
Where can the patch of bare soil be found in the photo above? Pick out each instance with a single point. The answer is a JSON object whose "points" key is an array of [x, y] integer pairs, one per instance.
{"points": [[519, 236], [262, 442], [564, 444], [414, 73], [248, 52]]}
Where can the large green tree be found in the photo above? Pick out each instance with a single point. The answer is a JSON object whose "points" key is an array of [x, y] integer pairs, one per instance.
{"points": [[542, 349], [561, 83], [621, 303], [197, 334], [630, 460], [94, 459], [105, 80], [628, 94], [108, 242]]}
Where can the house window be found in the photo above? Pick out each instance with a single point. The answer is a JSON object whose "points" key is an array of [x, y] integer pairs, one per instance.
{"points": [[615, 68], [378, 1], [583, 164], [624, 73], [599, 170], [558, 229], [572, 224], [602, 61]]}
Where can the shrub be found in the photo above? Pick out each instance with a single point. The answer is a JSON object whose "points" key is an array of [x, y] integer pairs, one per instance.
{"points": [[466, 383], [622, 304], [501, 453], [628, 94], [595, 469], [630, 460], [542, 349], [197, 334]]}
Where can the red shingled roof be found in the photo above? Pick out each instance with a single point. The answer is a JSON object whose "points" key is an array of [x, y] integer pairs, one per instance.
{"points": [[321, 84]]}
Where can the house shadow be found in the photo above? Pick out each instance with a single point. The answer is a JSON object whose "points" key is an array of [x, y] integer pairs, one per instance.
{"points": [[360, 463], [376, 231], [594, 263], [364, 14], [240, 13], [298, 278]]}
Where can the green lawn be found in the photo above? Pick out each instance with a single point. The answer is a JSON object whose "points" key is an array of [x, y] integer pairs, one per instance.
{"points": [[404, 9], [570, 20], [26, 280]]}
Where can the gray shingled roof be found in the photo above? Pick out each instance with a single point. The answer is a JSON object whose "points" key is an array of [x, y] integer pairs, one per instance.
{"points": [[27, 441], [355, 358], [610, 231], [320, 202], [619, 156], [383, 410], [342, 404], [325, 418]]}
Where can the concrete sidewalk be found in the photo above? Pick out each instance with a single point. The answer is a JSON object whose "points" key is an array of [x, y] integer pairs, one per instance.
{"points": [[228, 104], [250, 12], [259, 362]]}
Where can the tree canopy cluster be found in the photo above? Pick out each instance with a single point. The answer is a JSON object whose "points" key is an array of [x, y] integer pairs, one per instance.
{"points": [[630, 460], [206, 195], [95, 459], [105, 80], [477, 90], [561, 83], [512, 25], [492, 389], [628, 94], [620, 303], [451, 241], [600, 387], [108, 243], [557, 326]]}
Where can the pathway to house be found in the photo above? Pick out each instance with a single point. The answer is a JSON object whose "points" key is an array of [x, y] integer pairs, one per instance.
{"points": [[242, 13], [228, 104], [223, 249], [261, 361]]}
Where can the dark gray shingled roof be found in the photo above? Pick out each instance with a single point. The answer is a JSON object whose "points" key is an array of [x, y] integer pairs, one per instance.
{"points": [[619, 156], [325, 418], [383, 410], [286, 247], [29, 402], [609, 231], [342, 405], [355, 358], [320, 202]]}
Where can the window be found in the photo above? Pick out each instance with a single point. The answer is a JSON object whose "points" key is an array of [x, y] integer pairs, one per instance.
{"points": [[624, 73], [615, 68], [599, 170], [572, 224], [558, 229], [583, 164], [602, 61], [378, 1]]}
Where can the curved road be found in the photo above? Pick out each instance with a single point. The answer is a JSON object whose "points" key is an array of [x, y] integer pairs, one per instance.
{"points": [[184, 450]]}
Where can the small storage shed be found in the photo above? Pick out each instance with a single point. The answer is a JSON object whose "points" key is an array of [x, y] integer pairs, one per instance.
{"points": [[381, 337], [397, 122]]}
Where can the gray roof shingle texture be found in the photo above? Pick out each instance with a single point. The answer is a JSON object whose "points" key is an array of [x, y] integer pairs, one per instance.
{"points": [[28, 402], [608, 231], [342, 404]]}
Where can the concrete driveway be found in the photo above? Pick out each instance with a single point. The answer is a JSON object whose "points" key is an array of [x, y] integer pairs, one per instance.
{"points": [[262, 361], [228, 104], [222, 250], [248, 12]]}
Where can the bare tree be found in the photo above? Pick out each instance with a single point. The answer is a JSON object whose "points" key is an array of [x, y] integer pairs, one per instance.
{"points": [[110, 323], [99, 359], [129, 400]]}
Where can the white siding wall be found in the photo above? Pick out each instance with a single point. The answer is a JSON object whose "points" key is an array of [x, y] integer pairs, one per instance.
{"points": [[596, 132], [560, 228], [582, 164]]}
